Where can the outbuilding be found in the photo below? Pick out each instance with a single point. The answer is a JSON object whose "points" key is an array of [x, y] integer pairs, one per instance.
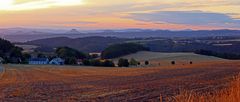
{"points": [[57, 61]]}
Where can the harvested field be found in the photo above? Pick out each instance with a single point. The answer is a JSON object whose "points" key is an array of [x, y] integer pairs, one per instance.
{"points": [[73, 83]]}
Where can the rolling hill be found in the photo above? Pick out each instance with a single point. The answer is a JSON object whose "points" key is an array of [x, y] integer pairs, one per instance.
{"points": [[146, 55], [165, 58], [87, 44], [23, 35]]}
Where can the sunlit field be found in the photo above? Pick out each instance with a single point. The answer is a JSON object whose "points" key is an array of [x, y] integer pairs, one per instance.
{"points": [[229, 94], [208, 81]]}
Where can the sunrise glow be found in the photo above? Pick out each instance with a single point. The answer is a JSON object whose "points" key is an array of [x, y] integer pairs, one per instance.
{"points": [[109, 14]]}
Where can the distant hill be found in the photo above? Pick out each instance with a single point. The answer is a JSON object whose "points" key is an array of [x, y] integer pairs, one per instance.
{"points": [[73, 31], [87, 44], [23, 35]]}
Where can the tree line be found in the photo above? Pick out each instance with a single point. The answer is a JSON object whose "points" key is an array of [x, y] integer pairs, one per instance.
{"points": [[11, 53], [118, 50], [230, 56]]}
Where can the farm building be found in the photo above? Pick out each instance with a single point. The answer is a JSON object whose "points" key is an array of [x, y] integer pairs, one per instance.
{"points": [[57, 61], [38, 61]]}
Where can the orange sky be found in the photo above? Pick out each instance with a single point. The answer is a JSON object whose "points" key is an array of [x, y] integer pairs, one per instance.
{"points": [[121, 14]]}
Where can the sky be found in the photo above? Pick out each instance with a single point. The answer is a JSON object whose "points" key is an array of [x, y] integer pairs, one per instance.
{"points": [[121, 14]]}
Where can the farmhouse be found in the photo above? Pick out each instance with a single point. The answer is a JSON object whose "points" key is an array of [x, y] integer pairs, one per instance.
{"points": [[57, 61], [38, 61]]}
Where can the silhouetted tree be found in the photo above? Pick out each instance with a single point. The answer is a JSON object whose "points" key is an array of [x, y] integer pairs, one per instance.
{"points": [[108, 63], [123, 63], [146, 62], [119, 50]]}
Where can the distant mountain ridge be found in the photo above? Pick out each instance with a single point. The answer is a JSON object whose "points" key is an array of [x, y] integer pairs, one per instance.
{"points": [[127, 33]]}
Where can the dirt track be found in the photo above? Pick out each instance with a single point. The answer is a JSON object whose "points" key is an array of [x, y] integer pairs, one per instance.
{"points": [[51, 83]]}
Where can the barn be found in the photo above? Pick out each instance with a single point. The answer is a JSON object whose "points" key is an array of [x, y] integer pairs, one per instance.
{"points": [[38, 61], [57, 61]]}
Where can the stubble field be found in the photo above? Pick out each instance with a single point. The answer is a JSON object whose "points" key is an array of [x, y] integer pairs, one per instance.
{"points": [[74, 83]]}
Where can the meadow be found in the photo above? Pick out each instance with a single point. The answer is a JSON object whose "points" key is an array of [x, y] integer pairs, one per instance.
{"points": [[155, 83]]}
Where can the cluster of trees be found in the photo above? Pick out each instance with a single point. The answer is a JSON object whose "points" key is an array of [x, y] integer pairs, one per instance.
{"points": [[98, 62], [70, 55], [220, 55], [119, 50], [11, 53], [132, 62]]}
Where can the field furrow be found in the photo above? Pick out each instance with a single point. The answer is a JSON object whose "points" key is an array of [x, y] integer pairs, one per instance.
{"points": [[58, 83]]}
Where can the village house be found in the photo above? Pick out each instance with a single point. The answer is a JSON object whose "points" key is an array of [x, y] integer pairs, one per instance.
{"points": [[57, 61], [79, 62], [38, 61]]}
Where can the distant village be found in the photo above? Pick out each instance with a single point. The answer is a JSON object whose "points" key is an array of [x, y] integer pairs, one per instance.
{"points": [[57, 60]]}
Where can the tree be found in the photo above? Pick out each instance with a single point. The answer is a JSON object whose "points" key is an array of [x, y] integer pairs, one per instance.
{"points": [[95, 63], [86, 62], [146, 62], [173, 63], [123, 63], [133, 62], [25, 58], [70, 61], [108, 63], [231, 56], [191, 62], [70, 55], [64, 52], [119, 50], [9, 52]]}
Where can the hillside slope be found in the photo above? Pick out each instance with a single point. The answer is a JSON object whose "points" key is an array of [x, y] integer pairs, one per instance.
{"points": [[156, 58], [88, 44]]}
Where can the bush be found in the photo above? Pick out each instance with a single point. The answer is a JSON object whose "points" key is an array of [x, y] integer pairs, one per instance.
{"points": [[95, 63], [123, 62], [86, 62], [139, 63], [65, 52], [108, 63], [102, 63], [146, 62], [133, 62]]}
